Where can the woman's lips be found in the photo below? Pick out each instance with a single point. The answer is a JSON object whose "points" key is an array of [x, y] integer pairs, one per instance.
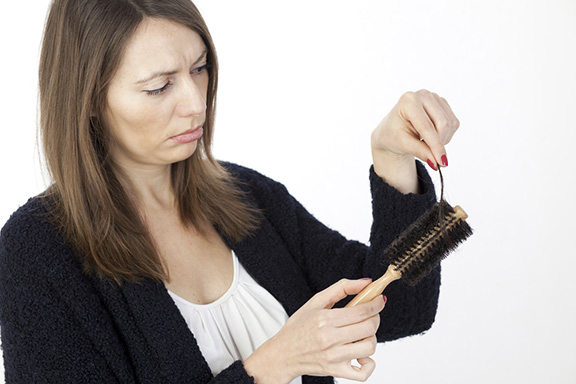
{"points": [[188, 136]]}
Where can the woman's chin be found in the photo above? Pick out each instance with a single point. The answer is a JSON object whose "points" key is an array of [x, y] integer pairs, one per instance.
{"points": [[184, 153]]}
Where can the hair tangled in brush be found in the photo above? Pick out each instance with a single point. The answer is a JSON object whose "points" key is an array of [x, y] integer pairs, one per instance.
{"points": [[421, 247]]}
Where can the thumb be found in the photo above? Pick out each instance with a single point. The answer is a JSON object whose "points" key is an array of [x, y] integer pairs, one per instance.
{"points": [[328, 297], [420, 149]]}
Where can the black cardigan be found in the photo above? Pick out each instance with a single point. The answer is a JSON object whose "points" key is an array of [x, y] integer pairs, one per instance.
{"points": [[60, 325]]}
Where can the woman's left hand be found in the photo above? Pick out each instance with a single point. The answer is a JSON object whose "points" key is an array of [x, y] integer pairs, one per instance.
{"points": [[419, 125]]}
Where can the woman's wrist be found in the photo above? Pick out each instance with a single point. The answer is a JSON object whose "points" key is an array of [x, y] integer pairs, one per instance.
{"points": [[399, 171], [267, 366]]}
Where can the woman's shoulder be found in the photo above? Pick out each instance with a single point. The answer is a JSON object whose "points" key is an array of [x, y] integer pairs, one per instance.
{"points": [[246, 174], [31, 240], [252, 180], [30, 220]]}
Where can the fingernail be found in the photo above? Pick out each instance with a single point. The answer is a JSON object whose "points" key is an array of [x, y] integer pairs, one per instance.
{"points": [[385, 298], [444, 160], [366, 278], [431, 164]]}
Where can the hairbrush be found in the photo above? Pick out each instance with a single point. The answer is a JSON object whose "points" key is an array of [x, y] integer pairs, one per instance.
{"points": [[420, 248]]}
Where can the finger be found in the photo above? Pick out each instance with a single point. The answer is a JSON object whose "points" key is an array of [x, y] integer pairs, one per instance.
{"points": [[347, 327], [328, 297], [357, 373], [444, 120], [422, 121], [352, 315], [355, 332], [455, 122], [419, 149], [422, 117], [367, 366], [359, 331], [439, 111], [346, 352], [366, 361]]}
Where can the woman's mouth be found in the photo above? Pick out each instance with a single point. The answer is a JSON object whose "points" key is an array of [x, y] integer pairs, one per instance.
{"points": [[188, 136]]}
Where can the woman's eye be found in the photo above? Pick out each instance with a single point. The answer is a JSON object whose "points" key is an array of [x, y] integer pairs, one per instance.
{"points": [[159, 91], [200, 69]]}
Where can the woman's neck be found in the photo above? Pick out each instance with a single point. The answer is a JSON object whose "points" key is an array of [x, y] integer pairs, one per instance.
{"points": [[149, 187]]}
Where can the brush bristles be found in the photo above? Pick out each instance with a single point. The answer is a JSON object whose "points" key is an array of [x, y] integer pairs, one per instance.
{"points": [[422, 246]]}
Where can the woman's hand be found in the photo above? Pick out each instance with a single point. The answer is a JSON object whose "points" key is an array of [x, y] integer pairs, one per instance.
{"points": [[420, 125], [320, 341]]}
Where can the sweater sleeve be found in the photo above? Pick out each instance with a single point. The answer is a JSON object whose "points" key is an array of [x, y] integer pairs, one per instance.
{"points": [[234, 374], [325, 256], [41, 340], [409, 310]]}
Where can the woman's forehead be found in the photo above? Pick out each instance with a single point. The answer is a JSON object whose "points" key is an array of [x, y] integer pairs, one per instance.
{"points": [[160, 45]]}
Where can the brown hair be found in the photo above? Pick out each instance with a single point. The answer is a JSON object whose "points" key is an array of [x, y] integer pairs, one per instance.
{"points": [[83, 45]]}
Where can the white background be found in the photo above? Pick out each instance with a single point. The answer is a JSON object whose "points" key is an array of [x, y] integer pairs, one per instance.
{"points": [[304, 82]]}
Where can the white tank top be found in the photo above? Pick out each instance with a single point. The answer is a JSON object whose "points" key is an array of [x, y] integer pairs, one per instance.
{"points": [[232, 327]]}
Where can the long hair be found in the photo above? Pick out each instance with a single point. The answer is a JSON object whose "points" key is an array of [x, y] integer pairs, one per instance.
{"points": [[84, 41]]}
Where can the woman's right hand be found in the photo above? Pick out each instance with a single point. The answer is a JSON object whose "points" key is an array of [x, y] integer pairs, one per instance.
{"points": [[318, 340]]}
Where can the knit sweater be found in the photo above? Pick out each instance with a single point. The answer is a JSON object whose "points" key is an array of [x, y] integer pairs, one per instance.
{"points": [[61, 325]]}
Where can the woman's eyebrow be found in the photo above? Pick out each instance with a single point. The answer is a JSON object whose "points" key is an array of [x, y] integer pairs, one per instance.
{"points": [[171, 72], [156, 75]]}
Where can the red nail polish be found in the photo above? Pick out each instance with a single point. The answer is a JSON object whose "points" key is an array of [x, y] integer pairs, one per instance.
{"points": [[444, 160], [385, 298], [431, 164]]}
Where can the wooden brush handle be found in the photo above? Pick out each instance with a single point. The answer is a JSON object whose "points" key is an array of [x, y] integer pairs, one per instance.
{"points": [[459, 212], [375, 288]]}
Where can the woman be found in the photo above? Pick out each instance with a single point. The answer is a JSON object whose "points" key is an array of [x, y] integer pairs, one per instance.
{"points": [[148, 261]]}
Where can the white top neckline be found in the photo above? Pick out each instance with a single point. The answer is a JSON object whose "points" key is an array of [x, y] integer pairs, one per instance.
{"points": [[236, 324], [218, 302]]}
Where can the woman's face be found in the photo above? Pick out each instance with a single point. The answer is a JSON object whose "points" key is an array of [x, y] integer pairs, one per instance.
{"points": [[156, 102]]}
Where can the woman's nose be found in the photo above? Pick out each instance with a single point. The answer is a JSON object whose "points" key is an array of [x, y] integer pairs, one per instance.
{"points": [[192, 98]]}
